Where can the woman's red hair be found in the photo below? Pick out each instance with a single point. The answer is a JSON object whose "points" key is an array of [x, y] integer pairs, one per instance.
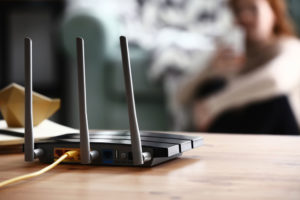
{"points": [[283, 24]]}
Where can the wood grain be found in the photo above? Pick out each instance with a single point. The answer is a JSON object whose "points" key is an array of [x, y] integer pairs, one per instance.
{"points": [[226, 167]]}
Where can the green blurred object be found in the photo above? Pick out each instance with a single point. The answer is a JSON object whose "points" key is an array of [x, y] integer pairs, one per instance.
{"points": [[106, 102], [294, 10]]}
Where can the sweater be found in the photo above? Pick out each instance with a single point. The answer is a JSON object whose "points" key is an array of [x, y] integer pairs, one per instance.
{"points": [[279, 76]]}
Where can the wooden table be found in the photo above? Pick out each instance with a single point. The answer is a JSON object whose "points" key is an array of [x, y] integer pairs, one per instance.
{"points": [[226, 167]]}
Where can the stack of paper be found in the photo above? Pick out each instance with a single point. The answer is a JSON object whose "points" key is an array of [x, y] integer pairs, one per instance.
{"points": [[15, 136]]}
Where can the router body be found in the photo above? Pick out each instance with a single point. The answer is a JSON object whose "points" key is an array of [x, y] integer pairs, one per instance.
{"points": [[115, 147]]}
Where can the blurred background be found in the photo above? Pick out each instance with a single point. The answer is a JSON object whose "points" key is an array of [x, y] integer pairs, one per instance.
{"points": [[168, 40]]}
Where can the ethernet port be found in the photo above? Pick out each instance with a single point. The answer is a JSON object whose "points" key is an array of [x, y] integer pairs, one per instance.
{"points": [[59, 152], [129, 155], [107, 156]]}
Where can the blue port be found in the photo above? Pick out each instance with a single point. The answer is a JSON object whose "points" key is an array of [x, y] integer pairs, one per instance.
{"points": [[107, 156]]}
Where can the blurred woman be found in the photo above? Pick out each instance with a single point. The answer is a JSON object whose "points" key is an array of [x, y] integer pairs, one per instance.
{"points": [[264, 95]]}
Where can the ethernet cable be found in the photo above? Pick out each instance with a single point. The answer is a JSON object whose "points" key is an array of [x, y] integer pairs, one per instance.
{"points": [[68, 154]]}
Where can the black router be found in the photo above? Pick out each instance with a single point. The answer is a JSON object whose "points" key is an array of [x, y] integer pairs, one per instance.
{"points": [[120, 148]]}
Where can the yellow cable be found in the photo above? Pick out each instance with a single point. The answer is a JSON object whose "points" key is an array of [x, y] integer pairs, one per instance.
{"points": [[69, 154]]}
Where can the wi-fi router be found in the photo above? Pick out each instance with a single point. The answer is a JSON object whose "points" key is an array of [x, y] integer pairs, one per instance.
{"points": [[120, 148]]}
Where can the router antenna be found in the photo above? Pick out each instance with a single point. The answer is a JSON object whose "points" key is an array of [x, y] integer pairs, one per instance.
{"points": [[29, 141], [85, 154], [137, 155], [30, 152]]}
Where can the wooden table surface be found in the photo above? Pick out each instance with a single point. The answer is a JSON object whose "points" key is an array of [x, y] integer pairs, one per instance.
{"points": [[226, 167]]}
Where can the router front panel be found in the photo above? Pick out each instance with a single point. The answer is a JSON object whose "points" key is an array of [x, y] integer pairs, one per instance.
{"points": [[110, 154], [114, 147]]}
